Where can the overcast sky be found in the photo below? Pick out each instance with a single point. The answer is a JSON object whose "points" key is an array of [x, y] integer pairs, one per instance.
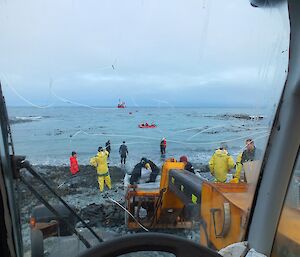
{"points": [[147, 52]]}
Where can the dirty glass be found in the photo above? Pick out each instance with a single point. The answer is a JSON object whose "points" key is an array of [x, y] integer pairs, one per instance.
{"points": [[183, 83], [287, 241]]}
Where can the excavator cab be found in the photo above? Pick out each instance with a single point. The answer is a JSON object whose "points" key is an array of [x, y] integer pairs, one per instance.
{"points": [[181, 214]]}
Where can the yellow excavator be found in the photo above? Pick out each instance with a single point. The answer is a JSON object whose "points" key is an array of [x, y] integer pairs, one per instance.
{"points": [[183, 198]]}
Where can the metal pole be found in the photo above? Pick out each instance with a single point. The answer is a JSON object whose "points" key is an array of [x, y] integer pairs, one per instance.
{"points": [[26, 165], [43, 201]]}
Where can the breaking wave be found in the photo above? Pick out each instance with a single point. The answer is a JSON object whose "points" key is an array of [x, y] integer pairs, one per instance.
{"points": [[23, 119]]}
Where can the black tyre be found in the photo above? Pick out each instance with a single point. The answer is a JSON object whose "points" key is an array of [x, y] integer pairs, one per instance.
{"points": [[37, 243]]}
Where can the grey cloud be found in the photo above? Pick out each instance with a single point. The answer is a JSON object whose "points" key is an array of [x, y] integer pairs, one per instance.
{"points": [[154, 46]]}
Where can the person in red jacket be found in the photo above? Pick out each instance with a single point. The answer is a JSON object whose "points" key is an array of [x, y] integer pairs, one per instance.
{"points": [[163, 146], [74, 168]]}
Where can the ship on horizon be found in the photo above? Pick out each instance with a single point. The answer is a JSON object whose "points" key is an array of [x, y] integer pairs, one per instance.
{"points": [[121, 104]]}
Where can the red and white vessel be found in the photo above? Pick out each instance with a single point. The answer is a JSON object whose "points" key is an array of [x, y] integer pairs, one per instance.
{"points": [[121, 104]]}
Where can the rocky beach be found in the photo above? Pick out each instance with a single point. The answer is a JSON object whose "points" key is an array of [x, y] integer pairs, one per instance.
{"points": [[82, 192]]}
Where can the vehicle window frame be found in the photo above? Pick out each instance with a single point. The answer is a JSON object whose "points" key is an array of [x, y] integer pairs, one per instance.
{"points": [[11, 211], [265, 171], [283, 144]]}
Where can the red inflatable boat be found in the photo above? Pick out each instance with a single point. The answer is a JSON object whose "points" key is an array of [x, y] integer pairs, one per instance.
{"points": [[147, 126]]}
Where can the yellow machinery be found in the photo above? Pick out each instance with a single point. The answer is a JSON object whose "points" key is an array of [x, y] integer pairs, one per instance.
{"points": [[182, 198], [224, 213], [288, 236], [164, 208], [225, 209]]}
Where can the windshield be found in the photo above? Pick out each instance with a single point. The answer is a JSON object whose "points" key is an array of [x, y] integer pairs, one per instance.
{"points": [[140, 115]]}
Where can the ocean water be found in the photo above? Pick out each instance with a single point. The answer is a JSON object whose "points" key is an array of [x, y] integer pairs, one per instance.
{"points": [[48, 136]]}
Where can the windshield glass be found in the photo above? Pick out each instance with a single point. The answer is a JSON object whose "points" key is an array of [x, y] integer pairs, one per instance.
{"points": [[140, 115]]}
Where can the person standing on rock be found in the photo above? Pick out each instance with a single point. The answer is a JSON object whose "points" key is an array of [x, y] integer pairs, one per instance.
{"points": [[163, 146], [137, 171], [187, 165], [123, 151], [100, 162], [74, 168], [107, 147], [221, 163], [251, 153]]}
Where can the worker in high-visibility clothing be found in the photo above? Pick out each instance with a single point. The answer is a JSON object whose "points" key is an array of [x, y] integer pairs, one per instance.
{"points": [[221, 163], [100, 162], [238, 169]]}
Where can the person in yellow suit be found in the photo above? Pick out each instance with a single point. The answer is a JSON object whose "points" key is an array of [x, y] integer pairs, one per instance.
{"points": [[239, 166], [238, 169], [100, 162], [221, 163]]}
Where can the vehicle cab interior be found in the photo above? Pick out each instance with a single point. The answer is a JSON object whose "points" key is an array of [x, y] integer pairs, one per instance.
{"points": [[180, 213]]}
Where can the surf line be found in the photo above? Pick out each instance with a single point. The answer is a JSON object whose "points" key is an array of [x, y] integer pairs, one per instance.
{"points": [[171, 141]]}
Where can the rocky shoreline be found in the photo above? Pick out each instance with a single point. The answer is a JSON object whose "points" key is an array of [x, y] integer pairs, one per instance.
{"points": [[82, 192]]}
